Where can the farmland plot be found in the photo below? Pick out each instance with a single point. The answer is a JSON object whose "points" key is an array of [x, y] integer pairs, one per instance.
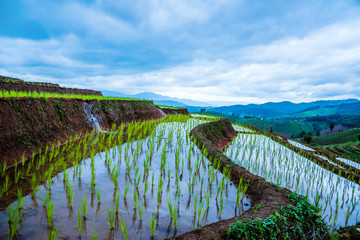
{"points": [[154, 186], [338, 197]]}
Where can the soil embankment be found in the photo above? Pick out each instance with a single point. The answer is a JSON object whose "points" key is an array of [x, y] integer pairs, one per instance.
{"points": [[172, 111], [214, 136], [13, 84], [28, 124]]}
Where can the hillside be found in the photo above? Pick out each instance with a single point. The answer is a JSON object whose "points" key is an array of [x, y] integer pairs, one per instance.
{"points": [[344, 143], [283, 109], [293, 127], [343, 109]]}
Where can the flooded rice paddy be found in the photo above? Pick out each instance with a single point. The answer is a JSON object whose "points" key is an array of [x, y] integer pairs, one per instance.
{"points": [[338, 198], [154, 186]]}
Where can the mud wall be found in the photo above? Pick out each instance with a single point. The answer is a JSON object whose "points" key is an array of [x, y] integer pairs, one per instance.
{"points": [[172, 111], [44, 87], [29, 123], [214, 136]]}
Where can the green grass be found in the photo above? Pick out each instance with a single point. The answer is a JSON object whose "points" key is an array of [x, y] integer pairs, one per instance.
{"points": [[344, 143], [299, 221], [162, 106], [19, 94], [337, 138]]}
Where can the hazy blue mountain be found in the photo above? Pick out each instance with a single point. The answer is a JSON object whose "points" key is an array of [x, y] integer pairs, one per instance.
{"points": [[169, 103], [272, 109], [179, 102], [114, 94], [342, 109]]}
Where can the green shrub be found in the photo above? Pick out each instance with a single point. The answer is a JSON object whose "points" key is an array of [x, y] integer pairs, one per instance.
{"points": [[299, 221]]}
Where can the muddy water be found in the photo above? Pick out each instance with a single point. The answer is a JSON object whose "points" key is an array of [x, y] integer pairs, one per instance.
{"points": [[168, 136], [276, 163]]}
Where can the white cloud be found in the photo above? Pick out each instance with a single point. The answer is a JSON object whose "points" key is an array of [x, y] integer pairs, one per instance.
{"points": [[96, 23], [323, 64], [20, 52]]}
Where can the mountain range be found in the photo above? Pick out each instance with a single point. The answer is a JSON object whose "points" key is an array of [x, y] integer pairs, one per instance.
{"points": [[284, 109], [158, 99]]}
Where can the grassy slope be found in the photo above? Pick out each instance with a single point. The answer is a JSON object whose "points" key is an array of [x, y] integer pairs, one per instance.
{"points": [[344, 143], [285, 127], [337, 138]]}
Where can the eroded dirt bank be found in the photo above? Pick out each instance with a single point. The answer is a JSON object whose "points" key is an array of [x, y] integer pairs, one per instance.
{"points": [[26, 124], [214, 136], [13, 84], [172, 111]]}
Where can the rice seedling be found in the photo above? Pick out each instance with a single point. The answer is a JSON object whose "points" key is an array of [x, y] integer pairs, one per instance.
{"points": [[138, 181], [98, 196], [34, 186], [3, 167], [83, 203], [152, 226], [146, 188], [79, 222], [112, 216], [126, 189], [50, 212], [14, 220], [221, 207], [117, 202], [53, 234], [95, 235], [140, 210], [195, 204], [124, 229]]}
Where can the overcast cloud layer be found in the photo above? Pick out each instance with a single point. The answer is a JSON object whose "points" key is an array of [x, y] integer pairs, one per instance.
{"points": [[220, 51]]}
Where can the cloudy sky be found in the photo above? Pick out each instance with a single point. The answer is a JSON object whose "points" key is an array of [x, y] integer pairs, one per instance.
{"points": [[218, 51]]}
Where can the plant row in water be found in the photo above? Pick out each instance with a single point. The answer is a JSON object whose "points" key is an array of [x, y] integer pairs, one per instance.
{"points": [[148, 172], [46, 95], [336, 196]]}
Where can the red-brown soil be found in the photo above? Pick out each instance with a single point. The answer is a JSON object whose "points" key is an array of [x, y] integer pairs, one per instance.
{"points": [[29, 123], [214, 136], [19, 85], [172, 111]]}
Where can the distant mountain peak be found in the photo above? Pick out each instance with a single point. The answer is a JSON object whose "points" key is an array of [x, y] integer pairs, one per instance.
{"points": [[158, 97]]}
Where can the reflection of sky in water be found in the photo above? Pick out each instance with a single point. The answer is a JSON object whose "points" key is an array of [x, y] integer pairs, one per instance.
{"points": [[175, 136], [241, 129], [299, 145], [276, 163], [349, 162]]}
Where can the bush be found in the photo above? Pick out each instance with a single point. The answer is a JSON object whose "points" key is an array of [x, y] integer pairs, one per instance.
{"points": [[299, 221]]}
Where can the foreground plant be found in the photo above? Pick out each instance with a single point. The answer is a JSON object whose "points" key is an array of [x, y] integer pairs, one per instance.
{"points": [[306, 219], [14, 220], [84, 206], [50, 212], [111, 216], [79, 221], [124, 229], [152, 226]]}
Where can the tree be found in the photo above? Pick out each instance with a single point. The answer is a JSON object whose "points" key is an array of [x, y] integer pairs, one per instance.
{"points": [[308, 137], [202, 110], [302, 134], [359, 137], [332, 125], [271, 129], [317, 133]]}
